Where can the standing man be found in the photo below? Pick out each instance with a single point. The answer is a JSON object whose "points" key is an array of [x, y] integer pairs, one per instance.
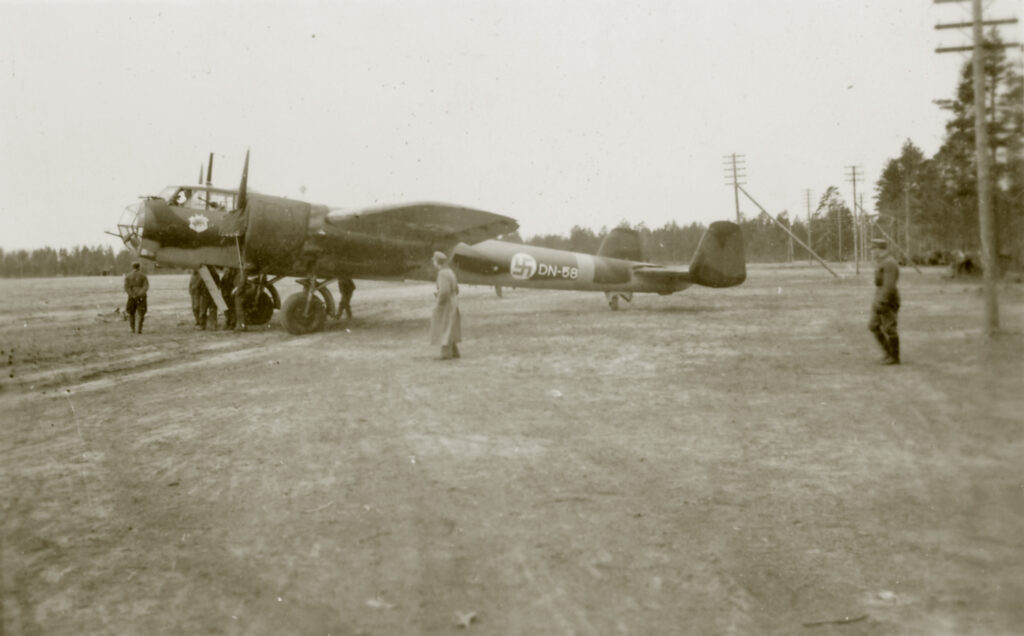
{"points": [[346, 287], [207, 308], [886, 304], [136, 285], [195, 290], [227, 286], [446, 323], [243, 293]]}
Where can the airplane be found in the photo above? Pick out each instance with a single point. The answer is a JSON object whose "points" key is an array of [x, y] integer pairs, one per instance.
{"points": [[269, 238]]}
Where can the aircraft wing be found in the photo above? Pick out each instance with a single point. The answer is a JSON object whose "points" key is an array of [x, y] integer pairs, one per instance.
{"points": [[439, 223]]}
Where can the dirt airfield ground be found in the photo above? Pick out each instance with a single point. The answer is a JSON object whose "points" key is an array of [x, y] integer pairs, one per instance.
{"points": [[715, 462]]}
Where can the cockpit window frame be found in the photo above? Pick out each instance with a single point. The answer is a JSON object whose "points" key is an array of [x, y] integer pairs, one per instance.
{"points": [[198, 196]]}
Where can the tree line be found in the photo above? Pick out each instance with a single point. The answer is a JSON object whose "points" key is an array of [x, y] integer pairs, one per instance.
{"points": [[74, 261]]}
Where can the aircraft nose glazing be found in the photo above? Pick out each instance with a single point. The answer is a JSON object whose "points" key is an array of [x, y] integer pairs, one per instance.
{"points": [[129, 227]]}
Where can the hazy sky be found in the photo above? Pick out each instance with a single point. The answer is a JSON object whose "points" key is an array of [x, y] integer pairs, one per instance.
{"points": [[556, 113]]}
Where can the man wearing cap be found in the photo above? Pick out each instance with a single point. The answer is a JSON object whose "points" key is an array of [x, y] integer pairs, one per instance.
{"points": [[446, 323], [886, 304], [136, 285]]}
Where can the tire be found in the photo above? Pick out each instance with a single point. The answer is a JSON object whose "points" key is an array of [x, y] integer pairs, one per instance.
{"points": [[295, 319], [262, 312]]}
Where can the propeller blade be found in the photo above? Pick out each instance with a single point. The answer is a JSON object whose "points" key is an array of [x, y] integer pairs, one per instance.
{"points": [[243, 185], [200, 174], [209, 171]]}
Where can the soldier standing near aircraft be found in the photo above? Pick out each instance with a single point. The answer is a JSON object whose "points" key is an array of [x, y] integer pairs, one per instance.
{"points": [[207, 308], [346, 287], [227, 284], [242, 293], [886, 304], [446, 323], [195, 290], [136, 285]]}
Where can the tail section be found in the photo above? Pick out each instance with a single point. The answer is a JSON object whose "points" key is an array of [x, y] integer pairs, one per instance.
{"points": [[720, 260], [623, 243]]}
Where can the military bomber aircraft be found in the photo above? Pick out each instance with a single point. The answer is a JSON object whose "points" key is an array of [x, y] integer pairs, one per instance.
{"points": [[269, 238]]}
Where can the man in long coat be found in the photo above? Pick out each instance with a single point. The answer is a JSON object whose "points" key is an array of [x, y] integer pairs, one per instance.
{"points": [[446, 323]]}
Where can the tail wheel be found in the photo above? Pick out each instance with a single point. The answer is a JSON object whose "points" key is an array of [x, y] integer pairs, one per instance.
{"points": [[299, 319], [261, 310]]}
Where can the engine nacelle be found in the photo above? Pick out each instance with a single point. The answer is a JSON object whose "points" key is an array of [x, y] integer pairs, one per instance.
{"points": [[276, 230]]}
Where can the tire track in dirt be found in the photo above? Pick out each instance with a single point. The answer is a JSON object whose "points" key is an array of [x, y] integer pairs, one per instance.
{"points": [[133, 366]]}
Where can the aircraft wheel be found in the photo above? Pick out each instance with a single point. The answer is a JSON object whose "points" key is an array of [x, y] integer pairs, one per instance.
{"points": [[295, 319], [260, 312]]}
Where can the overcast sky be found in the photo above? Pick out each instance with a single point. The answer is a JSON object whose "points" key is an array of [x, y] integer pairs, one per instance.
{"points": [[556, 113]]}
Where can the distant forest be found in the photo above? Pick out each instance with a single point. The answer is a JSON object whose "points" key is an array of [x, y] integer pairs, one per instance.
{"points": [[74, 261], [927, 205]]}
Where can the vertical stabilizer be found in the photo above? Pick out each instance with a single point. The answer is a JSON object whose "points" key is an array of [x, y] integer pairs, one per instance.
{"points": [[622, 243], [720, 260]]}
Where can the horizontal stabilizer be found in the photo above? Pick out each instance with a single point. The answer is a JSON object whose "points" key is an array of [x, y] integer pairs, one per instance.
{"points": [[718, 262]]}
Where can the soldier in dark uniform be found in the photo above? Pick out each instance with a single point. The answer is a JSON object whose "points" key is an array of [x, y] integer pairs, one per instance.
{"points": [[243, 294], [195, 290], [886, 304], [345, 287], [227, 286], [207, 308], [136, 285]]}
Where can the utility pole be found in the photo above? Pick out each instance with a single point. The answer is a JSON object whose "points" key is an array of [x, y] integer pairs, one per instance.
{"points": [[852, 177], [807, 196], [986, 219], [839, 235], [865, 228], [735, 172]]}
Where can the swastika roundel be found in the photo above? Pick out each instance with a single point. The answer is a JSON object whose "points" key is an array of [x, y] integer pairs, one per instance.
{"points": [[523, 266]]}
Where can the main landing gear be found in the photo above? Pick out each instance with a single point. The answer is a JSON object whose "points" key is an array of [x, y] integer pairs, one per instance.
{"points": [[306, 311], [260, 299], [613, 299]]}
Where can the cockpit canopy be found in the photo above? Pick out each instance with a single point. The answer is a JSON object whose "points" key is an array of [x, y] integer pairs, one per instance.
{"points": [[199, 197]]}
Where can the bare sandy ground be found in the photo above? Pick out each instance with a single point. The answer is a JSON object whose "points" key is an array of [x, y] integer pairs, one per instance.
{"points": [[715, 462]]}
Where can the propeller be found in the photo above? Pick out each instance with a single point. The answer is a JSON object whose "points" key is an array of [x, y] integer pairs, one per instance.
{"points": [[245, 180], [209, 179], [234, 224]]}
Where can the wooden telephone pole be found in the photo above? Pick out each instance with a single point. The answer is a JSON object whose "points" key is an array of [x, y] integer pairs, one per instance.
{"points": [[986, 220], [735, 173], [852, 177]]}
